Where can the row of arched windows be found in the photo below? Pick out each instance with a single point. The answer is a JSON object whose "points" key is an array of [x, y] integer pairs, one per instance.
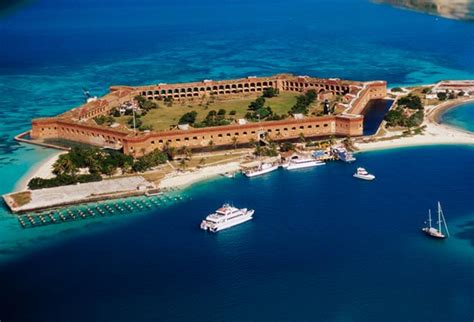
{"points": [[178, 92]]}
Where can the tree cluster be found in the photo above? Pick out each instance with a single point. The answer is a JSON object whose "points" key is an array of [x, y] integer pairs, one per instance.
{"points": [[268, 151], [145, 104], [303, 102], [98, 163], [270, 92], [102, 119], [168, 101], [149, 161], [62, 180], [214, 118], [398, 117], [188, 118], [287, 146], [443, 96], [260, 112], [138, 124], [95, 160], [410, 101]]}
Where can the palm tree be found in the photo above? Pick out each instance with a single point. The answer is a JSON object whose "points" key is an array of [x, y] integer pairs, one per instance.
{"points": [[252, 142], [126, 167], [188, 153], [64, 165], [302, 138], [169, 150], [185, 151], [211, 144], [349, 145], [273, 149], [234, 141], [202, 161], [183, 164]]}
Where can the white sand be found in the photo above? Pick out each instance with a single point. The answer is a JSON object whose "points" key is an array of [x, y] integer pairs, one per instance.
{"points": [[187, 178], [44, 170], [434, 134]]}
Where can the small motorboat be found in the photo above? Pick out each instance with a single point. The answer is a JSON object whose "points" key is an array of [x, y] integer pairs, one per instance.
{"points": [[230, 175], [363, 174]]}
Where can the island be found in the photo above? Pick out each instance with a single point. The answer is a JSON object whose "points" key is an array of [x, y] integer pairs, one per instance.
{"points": [[143, 140]]}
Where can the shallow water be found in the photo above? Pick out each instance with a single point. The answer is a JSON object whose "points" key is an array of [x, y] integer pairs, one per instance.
{"points": [[457, 9], [461, 116], [322, 247]]}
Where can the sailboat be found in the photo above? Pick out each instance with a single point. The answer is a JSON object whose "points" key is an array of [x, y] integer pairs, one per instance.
{"points": [[433, 232]]}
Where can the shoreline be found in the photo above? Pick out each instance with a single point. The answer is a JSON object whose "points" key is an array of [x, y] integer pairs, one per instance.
{"points": [[42, 169], [186, 179], [434, 133], [435, 114]]}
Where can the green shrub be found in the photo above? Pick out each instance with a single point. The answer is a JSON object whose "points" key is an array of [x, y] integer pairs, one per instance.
{"points": [[188, 118], [410, 101], [62, 180], [270, 92]]}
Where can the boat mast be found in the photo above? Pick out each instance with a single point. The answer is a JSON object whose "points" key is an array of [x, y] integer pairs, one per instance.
{"points": [[441, 216], [429, 217]]}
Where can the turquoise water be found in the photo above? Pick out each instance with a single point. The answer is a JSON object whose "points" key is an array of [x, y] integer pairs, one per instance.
{"points": [[462, 117], [323, 247]]}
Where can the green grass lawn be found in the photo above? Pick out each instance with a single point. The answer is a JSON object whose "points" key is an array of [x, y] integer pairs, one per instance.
{"points": [[166, 117]]}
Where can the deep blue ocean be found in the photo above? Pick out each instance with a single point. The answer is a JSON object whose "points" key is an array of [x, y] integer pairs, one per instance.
{"points": [[322, 247]]}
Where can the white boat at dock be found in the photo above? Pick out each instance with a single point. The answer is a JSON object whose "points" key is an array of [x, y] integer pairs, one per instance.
{"points": [[361, 173], [343, 154], [433, 232], [225, 217], [263, 168], [302, 162]]}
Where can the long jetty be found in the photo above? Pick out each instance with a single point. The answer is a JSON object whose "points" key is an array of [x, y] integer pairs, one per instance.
{"points": [[91, 211]]}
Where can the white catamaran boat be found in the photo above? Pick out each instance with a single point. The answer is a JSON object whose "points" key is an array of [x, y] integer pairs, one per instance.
{"points": [[363, 174], [261, 169], [225, 217], [433, 232], [303, 162]]}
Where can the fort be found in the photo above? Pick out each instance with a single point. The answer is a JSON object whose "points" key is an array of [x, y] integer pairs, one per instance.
{"points": [[78, 124]]}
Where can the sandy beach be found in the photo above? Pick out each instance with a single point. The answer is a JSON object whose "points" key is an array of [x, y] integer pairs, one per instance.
{"points": [[184, 179], [43, 169], [433, 134]]}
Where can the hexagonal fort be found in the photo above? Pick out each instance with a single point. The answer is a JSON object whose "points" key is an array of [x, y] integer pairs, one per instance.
{"points": [[78, 124]]}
